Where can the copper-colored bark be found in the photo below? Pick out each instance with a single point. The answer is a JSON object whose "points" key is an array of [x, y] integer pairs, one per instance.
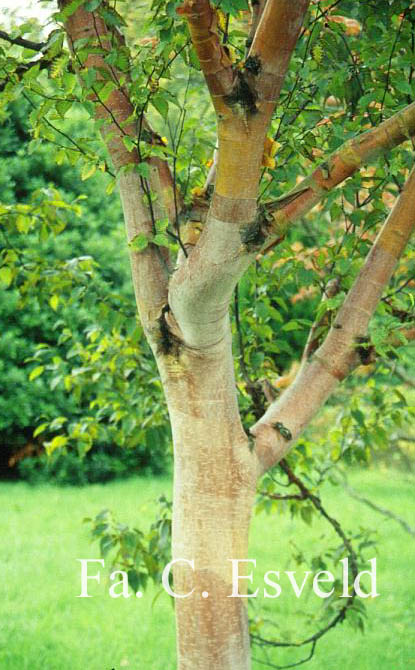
{"points": [[273, 44], [338, 354], [214, 61], [343, 163]]}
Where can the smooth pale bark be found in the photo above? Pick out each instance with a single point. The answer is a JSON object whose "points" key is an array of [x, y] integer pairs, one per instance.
{"points": [[200, 290], [257, 9], [148, 267], [215, 477], [186, 320]]}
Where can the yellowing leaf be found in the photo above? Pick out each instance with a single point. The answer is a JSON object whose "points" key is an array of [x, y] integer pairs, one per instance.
{"points": [[221, 19], [54, 302], [36, 372], [268, 162], [6, 275], [57, 442], [22, 223], [87, 171], [270, 149], [197, 191], [40, 429], [110, 187]]}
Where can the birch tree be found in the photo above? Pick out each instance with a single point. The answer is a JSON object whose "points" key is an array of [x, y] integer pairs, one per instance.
{"points": [[186, 268]]}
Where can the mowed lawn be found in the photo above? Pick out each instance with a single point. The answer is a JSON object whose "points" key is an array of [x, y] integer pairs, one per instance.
{"points": [[44, 626]]}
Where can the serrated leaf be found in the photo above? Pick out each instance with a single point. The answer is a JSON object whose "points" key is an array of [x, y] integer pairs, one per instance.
{"points": [[55, 44], [92, 5], [69, 10]]}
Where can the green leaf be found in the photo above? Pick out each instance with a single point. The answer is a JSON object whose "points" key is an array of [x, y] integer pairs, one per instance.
{"points": [[36, 372], [106, 91], [92, 5], [106, 544], [22, 223], [161, 240], [161, 105], [291, 325], [143, 169], [129, 144], [139, 242], [133, 580], [358, 416], [55, 43], [88, 170], [69, 10], [162, 224], [62, 107], [6, 275]]}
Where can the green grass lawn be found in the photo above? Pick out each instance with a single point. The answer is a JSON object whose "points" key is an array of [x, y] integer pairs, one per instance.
{"points": [[44, 626]]}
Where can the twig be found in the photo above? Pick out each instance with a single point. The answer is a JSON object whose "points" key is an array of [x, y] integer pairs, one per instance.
{"points": [[21, 42]]}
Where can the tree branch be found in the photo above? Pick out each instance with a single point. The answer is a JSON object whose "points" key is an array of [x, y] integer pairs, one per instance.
{"points": [[214, 61], [119, 121], [257, 8], [21, 42], [320, 374], [274, 41], [381, 510], [343, 163]]}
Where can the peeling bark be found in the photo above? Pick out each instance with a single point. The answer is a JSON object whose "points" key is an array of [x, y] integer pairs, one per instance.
{"points": [[186, 320], [320, 374], [215, 476]]}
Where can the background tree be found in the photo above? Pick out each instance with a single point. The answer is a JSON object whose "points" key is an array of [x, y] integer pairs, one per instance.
{"points": [[185, 282], [67, 297]]}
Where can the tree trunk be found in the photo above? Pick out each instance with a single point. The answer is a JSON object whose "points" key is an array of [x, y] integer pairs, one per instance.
{"points": [[185, 314], [215, 476]]}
